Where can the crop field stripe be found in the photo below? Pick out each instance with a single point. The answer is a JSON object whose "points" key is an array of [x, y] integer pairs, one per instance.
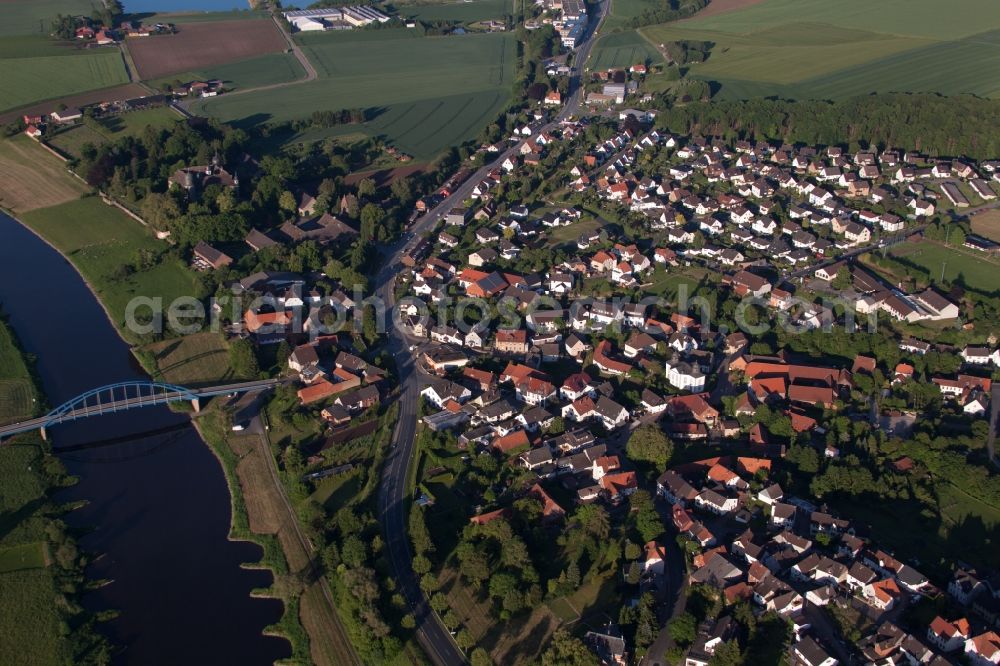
{"points": [[448, 123], [422, 120]]}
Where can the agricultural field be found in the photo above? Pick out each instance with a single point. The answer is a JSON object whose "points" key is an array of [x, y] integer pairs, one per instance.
{"points": [[813, 49], [263, 70], [35, 78], [978, 273], [34, 17], [31, 177], [463, 12], [987, 224], [425, 93], [101, 242], [17, 391], [206, 44], [29, 619], [622, 50]]}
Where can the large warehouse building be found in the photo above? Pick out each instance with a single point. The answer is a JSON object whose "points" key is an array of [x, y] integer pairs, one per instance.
{"points": [[334, 18]]}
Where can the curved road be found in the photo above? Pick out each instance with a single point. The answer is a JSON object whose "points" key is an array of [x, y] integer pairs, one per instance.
{"points": [[432, 635]]}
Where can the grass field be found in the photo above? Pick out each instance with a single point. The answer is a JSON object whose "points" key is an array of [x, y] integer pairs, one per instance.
{"points": [[34, 17], [17, 391], [31, 177], [623, 11], [622, 50], [71, 141], [32, 79], [464, 12], [193, 360], [976, 272], [134, 122], [816, 49], [987, 224], [263, 70], [99, 240], [426, 93]]}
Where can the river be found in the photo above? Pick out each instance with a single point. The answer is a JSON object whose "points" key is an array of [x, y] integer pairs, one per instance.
{"points": [[158, 507]]}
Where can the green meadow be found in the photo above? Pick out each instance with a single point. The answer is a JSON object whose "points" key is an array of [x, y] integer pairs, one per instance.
{"points": [[101, 241]]}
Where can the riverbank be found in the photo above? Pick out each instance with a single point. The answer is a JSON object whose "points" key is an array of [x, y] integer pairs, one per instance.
{"points": [[211, 427], [41, 567]]}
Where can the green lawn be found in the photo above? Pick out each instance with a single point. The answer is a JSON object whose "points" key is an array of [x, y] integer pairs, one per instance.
{"points": [[816, 49], [134, 122], [464, 12], [622, 50], [34, 17], [976, 272], [36, 78], [24, 556], [668, 283], [71, 141], [100, 240], [424, 93]]}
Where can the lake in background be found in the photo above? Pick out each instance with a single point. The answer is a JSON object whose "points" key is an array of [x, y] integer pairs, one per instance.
{"points": [[165, 6]]}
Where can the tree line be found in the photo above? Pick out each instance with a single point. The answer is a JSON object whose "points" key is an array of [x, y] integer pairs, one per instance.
{"points": [[962, 125]]}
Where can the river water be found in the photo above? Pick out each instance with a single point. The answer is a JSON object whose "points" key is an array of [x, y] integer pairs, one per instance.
{"points": [[158, 506]]}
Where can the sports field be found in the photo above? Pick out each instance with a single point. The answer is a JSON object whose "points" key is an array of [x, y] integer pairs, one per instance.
{"points": [[464, 12], [622, 50], [34, 17], [31, 79], [208, 44], [817, 49], [31, 177], [976, 272], [423, 93]]}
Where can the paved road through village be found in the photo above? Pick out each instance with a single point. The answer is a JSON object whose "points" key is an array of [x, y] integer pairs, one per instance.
{"points": [[432, 635]]}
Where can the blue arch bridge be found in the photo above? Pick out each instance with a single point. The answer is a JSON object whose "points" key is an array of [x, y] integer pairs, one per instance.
{"points": [[129, 395]]}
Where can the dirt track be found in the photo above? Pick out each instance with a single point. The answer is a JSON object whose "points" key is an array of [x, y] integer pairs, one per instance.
{"points": [[200, 45]]}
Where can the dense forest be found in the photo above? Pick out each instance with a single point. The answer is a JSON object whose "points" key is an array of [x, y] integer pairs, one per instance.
{"points": [[936, 125]]}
